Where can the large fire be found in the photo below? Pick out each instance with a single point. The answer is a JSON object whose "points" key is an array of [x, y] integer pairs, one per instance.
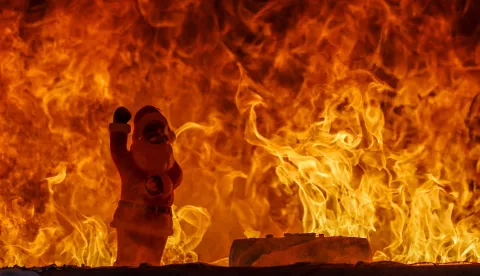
{"points": [[335, 117]]}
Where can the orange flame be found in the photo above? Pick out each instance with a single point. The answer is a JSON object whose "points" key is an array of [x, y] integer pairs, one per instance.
{"points": [[336, 117]]}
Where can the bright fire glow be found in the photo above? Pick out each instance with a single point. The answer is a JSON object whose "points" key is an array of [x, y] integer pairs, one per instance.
{"points": [[342, 118]]}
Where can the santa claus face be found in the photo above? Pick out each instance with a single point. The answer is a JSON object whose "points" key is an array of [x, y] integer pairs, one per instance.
{"points": [[155, 132], [151, 148], [153, 128]]}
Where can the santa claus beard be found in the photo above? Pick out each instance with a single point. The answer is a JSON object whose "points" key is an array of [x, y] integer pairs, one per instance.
{"points": [[154, 159]]}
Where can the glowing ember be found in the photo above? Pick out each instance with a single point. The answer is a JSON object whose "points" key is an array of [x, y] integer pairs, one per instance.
{"points": [[345, 118]]}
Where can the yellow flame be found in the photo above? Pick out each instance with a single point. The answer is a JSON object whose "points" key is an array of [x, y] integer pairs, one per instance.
{"points": [[336, 117]]}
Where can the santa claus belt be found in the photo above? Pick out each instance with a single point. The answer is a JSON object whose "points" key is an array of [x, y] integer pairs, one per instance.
{"points": [[149, 208]]}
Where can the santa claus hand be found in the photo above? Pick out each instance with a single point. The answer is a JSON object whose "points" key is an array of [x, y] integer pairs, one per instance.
{"points": [[159, 185], [122, 115], [154, 185]]}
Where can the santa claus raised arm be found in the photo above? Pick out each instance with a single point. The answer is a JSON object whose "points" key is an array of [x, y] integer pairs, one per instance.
{"points": [[149, 175]]}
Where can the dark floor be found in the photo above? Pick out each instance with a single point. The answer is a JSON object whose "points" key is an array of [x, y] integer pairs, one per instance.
{"points": [[299, 269]]}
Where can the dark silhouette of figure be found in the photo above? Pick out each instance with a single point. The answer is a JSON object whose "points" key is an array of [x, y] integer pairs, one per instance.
{"points": [[149, 176]]}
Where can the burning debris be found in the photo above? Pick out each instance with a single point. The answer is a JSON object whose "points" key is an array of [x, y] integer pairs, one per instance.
{"points": [[299, 248]]}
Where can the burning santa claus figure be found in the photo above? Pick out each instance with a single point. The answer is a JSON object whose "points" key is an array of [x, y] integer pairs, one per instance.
{"points": [[149, 175]]}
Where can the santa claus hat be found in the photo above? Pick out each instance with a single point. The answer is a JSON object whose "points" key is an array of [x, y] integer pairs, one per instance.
{"points": [[144, 111], [147, 114]]}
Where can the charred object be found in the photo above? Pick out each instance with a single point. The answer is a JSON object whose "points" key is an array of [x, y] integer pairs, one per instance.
{"points": [[299, 248]]}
